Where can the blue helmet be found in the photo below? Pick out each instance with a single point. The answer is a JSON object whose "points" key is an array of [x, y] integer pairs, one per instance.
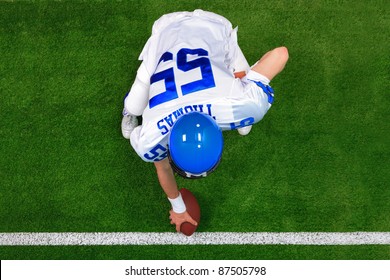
{"points": [[195, 145]]}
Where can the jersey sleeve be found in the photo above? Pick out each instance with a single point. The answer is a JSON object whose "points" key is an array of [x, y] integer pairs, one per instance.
{"points": [[260, 83], [247, 105], [137, 98], [149, 143]]}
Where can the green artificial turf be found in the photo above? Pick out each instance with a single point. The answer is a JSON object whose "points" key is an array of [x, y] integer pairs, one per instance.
{"points": [[318, 161]]}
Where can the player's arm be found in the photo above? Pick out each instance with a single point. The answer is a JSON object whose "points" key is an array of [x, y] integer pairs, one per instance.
{"points": [[138, 96], [166, 177], [240, 74], [272, 63]]}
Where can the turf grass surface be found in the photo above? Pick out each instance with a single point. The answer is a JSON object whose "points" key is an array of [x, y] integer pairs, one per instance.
{"points": [[318, 161]]}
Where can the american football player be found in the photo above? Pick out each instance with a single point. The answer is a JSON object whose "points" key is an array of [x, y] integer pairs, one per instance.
{"points": [[193, 71]]}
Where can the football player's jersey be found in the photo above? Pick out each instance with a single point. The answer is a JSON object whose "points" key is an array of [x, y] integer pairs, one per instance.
{"points": [[189, 62]]}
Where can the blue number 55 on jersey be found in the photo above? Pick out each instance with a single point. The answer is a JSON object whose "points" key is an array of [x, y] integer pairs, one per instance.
{"points": [[182, 63]]}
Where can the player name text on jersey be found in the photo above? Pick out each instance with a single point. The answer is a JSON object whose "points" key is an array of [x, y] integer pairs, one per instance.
{"points": [[165, 124]]}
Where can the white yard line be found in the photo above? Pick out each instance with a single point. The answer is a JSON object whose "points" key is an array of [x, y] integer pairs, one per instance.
{"points": [[199, 238]]}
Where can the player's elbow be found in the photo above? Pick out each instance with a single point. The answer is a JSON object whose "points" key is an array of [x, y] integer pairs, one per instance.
{"points": [[282, 53]]}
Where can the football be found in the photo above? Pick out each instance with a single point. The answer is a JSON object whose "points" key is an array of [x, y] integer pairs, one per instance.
{"points": [[193, 209]]}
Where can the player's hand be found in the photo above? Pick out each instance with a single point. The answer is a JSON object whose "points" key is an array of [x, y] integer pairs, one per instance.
{"points": [[240, 74], [178, 219]]}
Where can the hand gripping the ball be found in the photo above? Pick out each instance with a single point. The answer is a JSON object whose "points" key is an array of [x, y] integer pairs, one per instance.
{"points": [[179, 218], [188, 221]]}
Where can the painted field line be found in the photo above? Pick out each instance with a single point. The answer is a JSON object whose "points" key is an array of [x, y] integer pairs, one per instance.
{"points": [[199, 238]]}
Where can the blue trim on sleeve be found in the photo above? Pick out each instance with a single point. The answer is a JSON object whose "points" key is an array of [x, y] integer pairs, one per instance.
{"points": [[267, 90]]}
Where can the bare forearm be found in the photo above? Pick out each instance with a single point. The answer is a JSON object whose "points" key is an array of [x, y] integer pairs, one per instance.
{"points": [[168, 183], [272, 63], [166, 178]]}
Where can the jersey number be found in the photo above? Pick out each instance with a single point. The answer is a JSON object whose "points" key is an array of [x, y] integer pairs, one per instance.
{"points": [[168, 76]]}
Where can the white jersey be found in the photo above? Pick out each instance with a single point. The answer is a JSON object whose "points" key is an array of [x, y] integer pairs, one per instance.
{"points": [[188, 65]]}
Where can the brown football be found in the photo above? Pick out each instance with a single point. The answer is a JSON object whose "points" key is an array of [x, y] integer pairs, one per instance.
{"points": [[193, 209]]}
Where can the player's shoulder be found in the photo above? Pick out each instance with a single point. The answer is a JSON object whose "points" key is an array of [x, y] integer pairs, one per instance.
{"points": [[213, 17], [148, 142], [167, 19]]}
